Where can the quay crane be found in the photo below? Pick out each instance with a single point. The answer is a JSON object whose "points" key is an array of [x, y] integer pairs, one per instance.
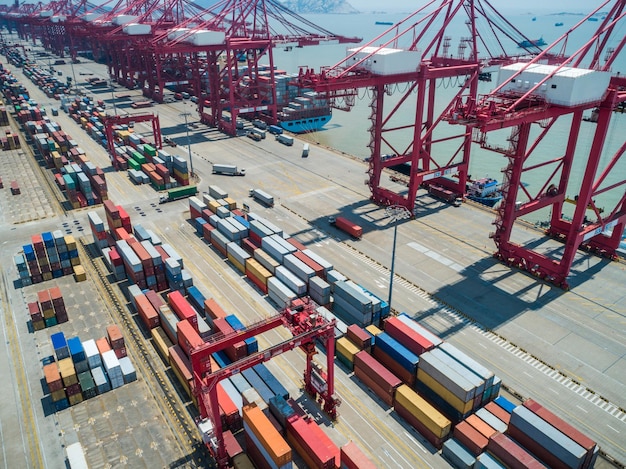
{"points": [[305, 325], [537, 94], [406, 68]]}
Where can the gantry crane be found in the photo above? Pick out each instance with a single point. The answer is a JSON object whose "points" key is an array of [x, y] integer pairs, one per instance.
{"points": [[112, 121], [414, 60], [305, 325], [530, 95]]}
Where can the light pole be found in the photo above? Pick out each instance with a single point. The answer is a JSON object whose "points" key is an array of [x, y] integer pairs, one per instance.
{"points": [[395, 214], [185, 115], [113, 96]]}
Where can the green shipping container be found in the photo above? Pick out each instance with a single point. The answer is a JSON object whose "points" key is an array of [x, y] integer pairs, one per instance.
{"points": [[51, 321], [138, 157], [69, 182], [87, 385], [133, 164], [149, 150]]}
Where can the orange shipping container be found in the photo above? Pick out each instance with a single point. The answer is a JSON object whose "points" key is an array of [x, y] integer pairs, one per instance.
{"points": [[213, 310], [146, 311], [53, 377], [481, 426], [103, 345], [266, 434], [116, 339]]}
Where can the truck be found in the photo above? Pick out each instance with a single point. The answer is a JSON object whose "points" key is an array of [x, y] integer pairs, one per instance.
{"points": [[228, 169], [254, 136], [275, 129], [262, 196], [444, 194], [285, 139], [305, 150], [178, 193], [347, 226]]}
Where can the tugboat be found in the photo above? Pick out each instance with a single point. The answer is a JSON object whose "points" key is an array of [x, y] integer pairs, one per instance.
{"points": [[485, 191], [532, 43]]}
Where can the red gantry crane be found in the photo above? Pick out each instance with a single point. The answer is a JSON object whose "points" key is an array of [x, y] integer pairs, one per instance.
{"points": [[406, 71], [305, 325], [529, 100]]}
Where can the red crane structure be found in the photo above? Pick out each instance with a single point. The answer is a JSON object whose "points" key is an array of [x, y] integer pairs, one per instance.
{"points": [[305, 325], [529, 100], [405, 69], [111, 121]]}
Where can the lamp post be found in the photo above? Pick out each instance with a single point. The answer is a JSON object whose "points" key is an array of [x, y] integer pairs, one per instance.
{"points": [[185, 115], [395, 214]]}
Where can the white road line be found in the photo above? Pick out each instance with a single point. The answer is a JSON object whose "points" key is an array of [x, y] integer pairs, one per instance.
{"points": [[528, 374], [586, 412], [616, 431]]}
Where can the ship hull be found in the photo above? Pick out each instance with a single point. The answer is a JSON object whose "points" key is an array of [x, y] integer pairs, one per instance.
{"points": [[304, 125], [488, 201]]}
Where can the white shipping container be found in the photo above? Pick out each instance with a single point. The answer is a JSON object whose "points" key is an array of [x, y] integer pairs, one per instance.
{"points": [[217, 193], [205, 38], [566, 87], [384, 60], [136, 29], [92, 354], [279, 292], [299, 268], [76, 456], [238, 253], [291, 280], [120, 20]]}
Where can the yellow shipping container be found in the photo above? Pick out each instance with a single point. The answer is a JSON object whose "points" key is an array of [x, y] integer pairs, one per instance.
{"points": [[432, 419], [67, 371], [70, 242], [79, 273], [75, 261], [444, 393], [56, 396], [372, 329], [237, 264], [258, 270], [213, 206], [232, 204], [48, 313], [75, 399], [47, 276], [39, 325], [161, 342], [346, 348], [83, 122], [273, 442], [269, 260]]}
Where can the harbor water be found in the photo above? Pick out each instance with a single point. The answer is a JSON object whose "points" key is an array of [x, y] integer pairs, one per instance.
{"points": [[348, 133]]}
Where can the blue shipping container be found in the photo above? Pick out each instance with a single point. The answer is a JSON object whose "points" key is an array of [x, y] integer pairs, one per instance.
{"points": [[76, 349], [196, 299], [271, 381], [257, 383], [234, 322], [398, 352], [505, 404]]}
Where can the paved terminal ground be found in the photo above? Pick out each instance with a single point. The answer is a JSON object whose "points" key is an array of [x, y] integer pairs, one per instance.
{"points": [[564, 349]]}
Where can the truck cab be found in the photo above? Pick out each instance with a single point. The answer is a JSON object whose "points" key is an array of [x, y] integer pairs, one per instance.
{"points": [[305, 150]]}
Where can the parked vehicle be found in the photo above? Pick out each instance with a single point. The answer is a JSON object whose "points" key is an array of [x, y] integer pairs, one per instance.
{"points": [[285, 139], [275, 129], [178, 193], [254, 136], [445, 194], [305, 150], [262, 196], [228, 169], [347, 226]]}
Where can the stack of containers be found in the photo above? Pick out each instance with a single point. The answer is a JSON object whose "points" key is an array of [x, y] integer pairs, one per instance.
{"points": [[311, 443], [182, 368], [128, 370], [53, 257], [375, 376], [554, 441], [266, 260], [116, 340], [212, 311], [155, 276], [22, 270], [251, 343], [396, 357], [196, 206], [114, 262], [319, 291], [70, 381], [55, 386], [351, 304], [237, 256], [425, 418], [87, 385], [45, 260], [132, 264], [59, 344], [258, 274], [77, 353], [236, 351], [281, 410], [36, 316], [182, 308], [411, 339], [112, 367], [345, 351], [188, 338], [265, 446], [290, 280], [46, 307], [58, 304], [353, 458], [360, 337], [301, 270], [98, 231], [181, 172], [270, 380], [280, 293]]}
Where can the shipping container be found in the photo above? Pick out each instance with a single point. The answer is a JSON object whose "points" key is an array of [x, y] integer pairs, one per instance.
{"points": [[258, 424], [374, 375], [511, 453], [407, 336], [425, 413], [458, 455], [471, 438], [312, 444], [353, 458]]}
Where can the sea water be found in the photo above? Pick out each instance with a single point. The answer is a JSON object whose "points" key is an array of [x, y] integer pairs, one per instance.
{"points": [[347, 132]]}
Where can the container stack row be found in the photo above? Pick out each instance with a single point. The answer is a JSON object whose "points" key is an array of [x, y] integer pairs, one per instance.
{"points": [[49, 309], [44, 79], [50, 255], [9, 140], [82, 370]]}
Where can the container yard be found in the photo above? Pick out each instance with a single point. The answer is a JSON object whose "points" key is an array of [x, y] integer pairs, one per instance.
{"points": [[157, 315]]}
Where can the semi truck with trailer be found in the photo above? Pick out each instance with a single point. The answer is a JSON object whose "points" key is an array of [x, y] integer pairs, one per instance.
{"points": [[228, 170], [347, 226], [262, 196], [444, 194], [178, 193]]}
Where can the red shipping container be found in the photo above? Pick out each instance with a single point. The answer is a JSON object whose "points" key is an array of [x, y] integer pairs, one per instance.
{"points": [[383, 395], [115, 257], [415, 342], [319, 270], [115, 337], [511, 453], [587, 443], [53, 377], [369, 366], [255, 237], [405, 375], [213, 310], [312, 444], [499, 412], [103, 345], [229, 409], [121, 233], [147, 312], [471, 438], [359, 337], [43, 297], [539, 451], [233, 448], [182, 308], [144, 257], [164, 255], [248, 245], [206, 231], [295, 243], [155, 299], [353, 458], [234, 352], [34, 311], [111, 210], [188, 337]]}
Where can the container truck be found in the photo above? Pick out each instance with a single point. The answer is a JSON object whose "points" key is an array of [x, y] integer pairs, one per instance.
{"points": [[275, 129], [262, 197], [178, 193], [305, 150], [446, 195], [346, 225], [285, 139], [228, 169]]}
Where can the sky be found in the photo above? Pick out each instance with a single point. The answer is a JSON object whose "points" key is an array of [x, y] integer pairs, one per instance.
{"points": [[532, 6]]}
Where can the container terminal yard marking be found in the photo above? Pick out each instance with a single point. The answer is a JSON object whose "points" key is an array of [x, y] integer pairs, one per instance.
{"points": [[460, 317]]}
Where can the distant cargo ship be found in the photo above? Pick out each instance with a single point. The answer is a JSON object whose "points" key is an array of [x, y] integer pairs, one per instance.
{"points": [[384, 23], [300, 110], [558, 24], [532, 43], [485, 191]]}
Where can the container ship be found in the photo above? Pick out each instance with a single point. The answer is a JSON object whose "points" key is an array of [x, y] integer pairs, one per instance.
{"points": [[532, 43]]}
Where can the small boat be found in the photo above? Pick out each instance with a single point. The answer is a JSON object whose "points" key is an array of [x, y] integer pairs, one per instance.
{"points": [[384, 23], [593, 18], [485, 191], [532, 43], [534, 18], [558, 24]]}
